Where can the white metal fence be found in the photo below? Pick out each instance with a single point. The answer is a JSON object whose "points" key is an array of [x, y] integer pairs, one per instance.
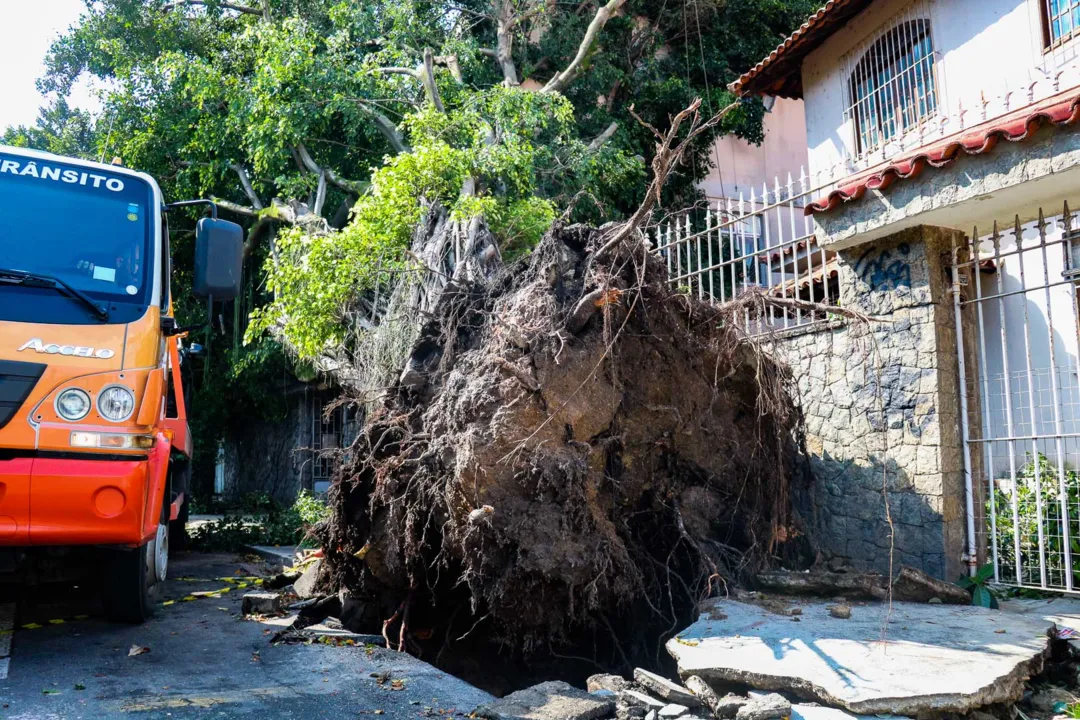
{"points": [[1016, 316], [762, 240]]}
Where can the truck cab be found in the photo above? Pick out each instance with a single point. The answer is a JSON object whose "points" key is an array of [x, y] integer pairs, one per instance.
{"points": [[95, 447]]}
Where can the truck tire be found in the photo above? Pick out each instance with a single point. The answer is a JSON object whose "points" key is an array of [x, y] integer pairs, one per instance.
{"points": [[134, 578]]}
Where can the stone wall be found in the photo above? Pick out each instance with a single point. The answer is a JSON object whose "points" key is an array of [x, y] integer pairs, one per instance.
{"points": [[881, 405]]}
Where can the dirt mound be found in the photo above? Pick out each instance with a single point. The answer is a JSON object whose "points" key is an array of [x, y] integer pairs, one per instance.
{"points": [[573, 444]]}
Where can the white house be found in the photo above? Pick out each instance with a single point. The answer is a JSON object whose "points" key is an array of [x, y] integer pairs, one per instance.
{"points": [[945, 163]]}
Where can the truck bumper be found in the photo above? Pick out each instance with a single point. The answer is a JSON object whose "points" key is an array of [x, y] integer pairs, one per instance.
{"points": [[82, 500]]}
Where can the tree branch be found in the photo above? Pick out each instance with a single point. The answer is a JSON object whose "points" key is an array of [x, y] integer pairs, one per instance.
{"points": [[564, 78], [227, 5], [450, 62], [309, 162], [236, 207], [504, 49], [245, 183], [426, 73], [669, 153], [603, 137], [411, 72]]}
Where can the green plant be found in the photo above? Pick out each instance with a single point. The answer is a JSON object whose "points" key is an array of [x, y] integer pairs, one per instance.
{"points": [[1016, 511], [978, 586], [310, 508], [258, 520]]}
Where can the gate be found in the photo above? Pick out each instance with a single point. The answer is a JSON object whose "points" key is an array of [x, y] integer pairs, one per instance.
{"points": [[1014, 293]]}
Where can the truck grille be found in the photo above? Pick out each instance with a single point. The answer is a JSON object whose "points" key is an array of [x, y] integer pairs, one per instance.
{"points": [[17, 379]]}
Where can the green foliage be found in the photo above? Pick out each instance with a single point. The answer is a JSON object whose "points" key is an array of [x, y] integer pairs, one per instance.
{"points": [[1036, 485], [978, 585], [261, 522], [508, 142]]}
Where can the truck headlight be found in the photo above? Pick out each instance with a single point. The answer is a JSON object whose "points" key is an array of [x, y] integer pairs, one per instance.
{"points": [[116, 403], [73, 404]]}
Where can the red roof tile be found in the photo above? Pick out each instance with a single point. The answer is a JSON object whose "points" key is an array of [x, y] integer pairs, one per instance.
{"points": [[780, 73], [1062, 110]]}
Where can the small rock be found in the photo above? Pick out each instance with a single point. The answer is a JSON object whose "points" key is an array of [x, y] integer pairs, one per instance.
{"points": [[704, 693], [934, 601], [666, 689], [625, 712], [633, 698], [840, 611], [651, 715], [729, 705], [553, 700], [673, 710], [614, 683], [764, 708], [261, 603], [304, 586]]}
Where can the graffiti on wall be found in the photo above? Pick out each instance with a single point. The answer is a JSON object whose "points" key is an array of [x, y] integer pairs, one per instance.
{"points": [[885, 270]]}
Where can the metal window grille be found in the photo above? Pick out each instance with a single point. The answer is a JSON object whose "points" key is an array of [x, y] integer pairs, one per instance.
{"points": [[1016, 313], [326, 440], [891, 82], [763, 241], [1062, 19]]}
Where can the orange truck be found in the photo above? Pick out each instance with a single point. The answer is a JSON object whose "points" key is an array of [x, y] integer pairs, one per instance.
{"points": [[95, 448]]}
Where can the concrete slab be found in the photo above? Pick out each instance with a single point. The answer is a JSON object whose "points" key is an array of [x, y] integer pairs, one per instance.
{"points": [[907, 660], [553, 700], [1061, 611]]}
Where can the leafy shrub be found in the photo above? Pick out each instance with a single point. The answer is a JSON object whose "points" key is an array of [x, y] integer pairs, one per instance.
{"points": [[261, 522], [1036, 484]]}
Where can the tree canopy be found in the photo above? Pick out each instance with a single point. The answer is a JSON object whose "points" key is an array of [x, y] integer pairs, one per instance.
{"points": [[308, 117]]}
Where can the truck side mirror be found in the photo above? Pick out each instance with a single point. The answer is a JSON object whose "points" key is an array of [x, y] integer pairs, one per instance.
{"points": [[219, 248]]}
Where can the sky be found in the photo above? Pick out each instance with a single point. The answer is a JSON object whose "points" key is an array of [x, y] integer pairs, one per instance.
{"points": [[31, 26]]}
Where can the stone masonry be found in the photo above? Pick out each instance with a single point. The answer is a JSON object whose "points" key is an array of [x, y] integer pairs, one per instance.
{"points": [[882, 408]]}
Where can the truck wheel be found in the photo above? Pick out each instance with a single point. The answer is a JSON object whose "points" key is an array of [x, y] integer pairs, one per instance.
{"points": [[134, 578]]}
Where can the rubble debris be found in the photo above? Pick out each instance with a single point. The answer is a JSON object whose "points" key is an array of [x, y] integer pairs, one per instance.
{"points": [[655, 407], [905, 659], [261, 603], [841, 611], [673, 710], [614, 683], [912, 585], [665, 689], [555, 700], [633, 698], [909, 585], [704, 694], [765, 707], [304, 586]]}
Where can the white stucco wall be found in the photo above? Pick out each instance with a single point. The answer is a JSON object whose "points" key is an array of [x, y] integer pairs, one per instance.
{"points": [[740, 166], [989, 61]]}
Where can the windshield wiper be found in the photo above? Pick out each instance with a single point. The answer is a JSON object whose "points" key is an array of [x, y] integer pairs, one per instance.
{"points": [[21, 277]]}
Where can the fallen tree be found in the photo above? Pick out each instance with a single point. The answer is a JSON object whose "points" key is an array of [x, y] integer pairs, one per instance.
{"points": [[570, 446], [567, 439]]}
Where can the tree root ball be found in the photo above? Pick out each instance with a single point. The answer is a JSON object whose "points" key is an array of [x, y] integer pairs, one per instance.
{"points": [[541, 481]]}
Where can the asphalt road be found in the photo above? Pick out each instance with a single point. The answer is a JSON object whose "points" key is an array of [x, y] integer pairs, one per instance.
{"points": [[204, 661]]}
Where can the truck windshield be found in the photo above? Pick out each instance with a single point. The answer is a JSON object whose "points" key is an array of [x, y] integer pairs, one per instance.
{"points": [[85, 226]]}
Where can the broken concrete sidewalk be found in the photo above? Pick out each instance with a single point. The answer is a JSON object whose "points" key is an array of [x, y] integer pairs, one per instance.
{"points": [[909, 659], [554, 700]]}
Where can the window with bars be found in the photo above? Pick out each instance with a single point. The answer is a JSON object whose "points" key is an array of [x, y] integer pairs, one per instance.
{"points": [[327, 438], [892, 87], [1062, 20]]}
